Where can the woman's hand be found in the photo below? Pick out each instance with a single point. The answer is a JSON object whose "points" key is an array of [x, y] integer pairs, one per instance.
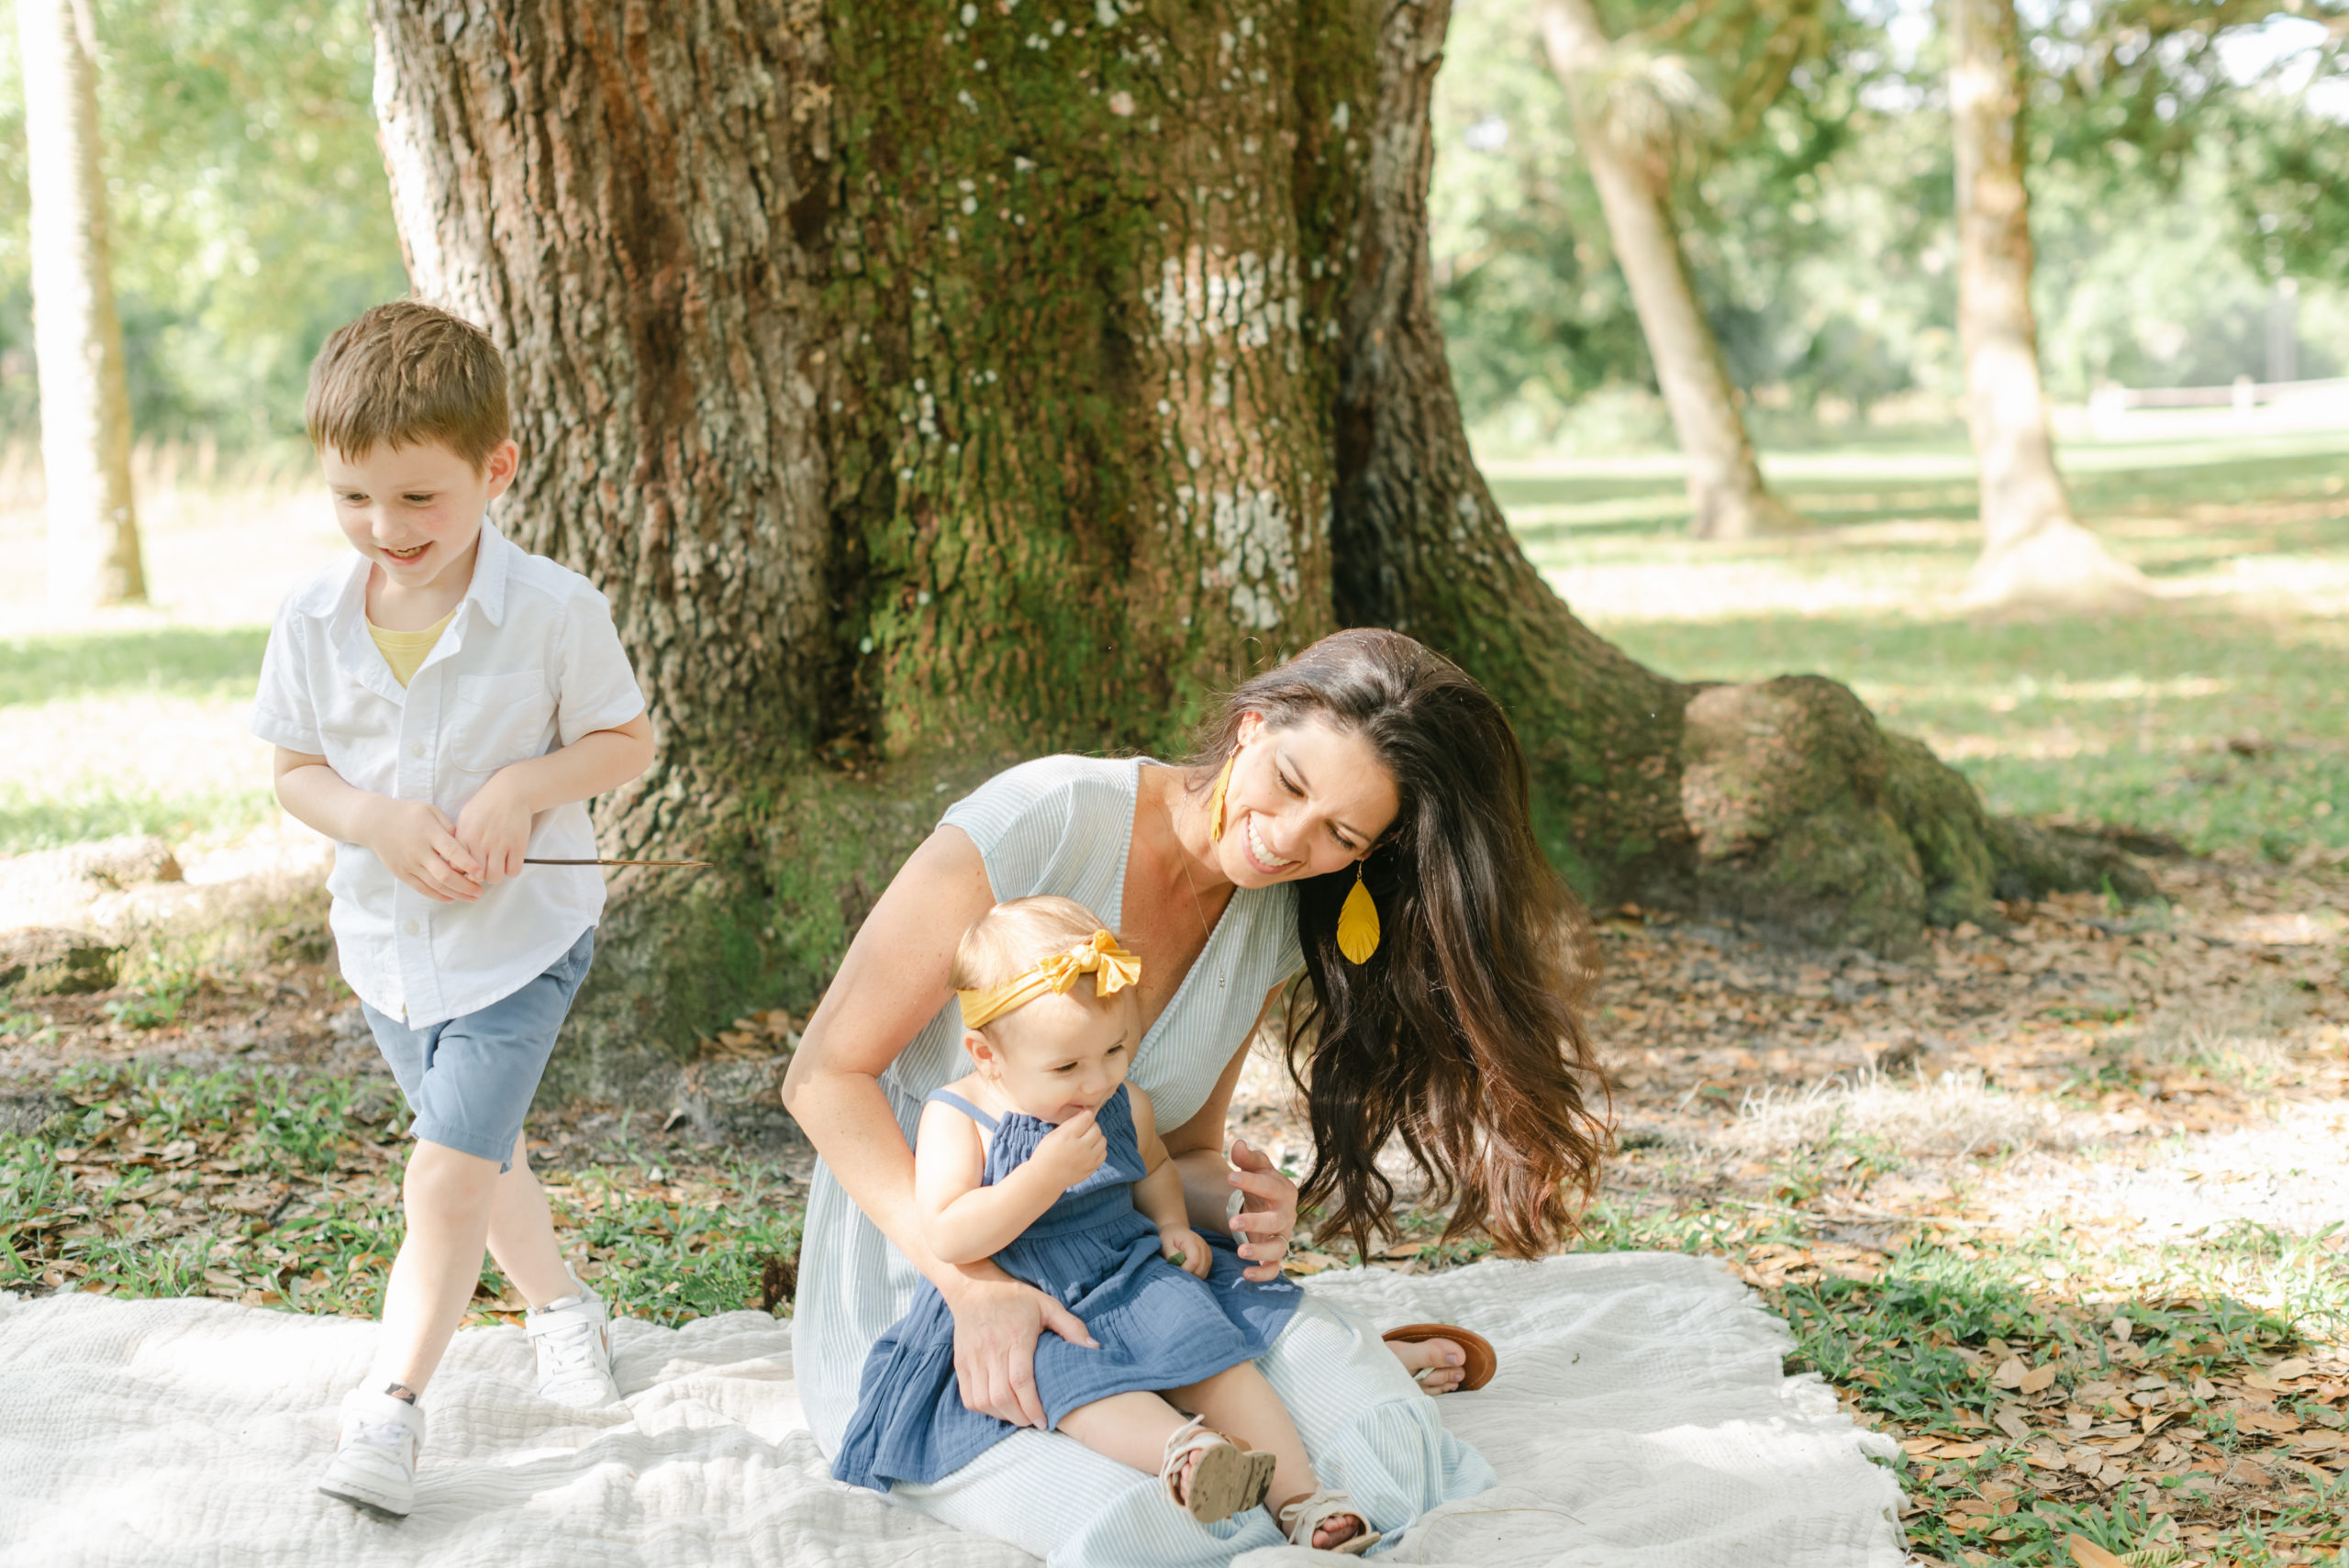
{"points": [[1267, 1215], [997, 1323], [1184, 1248]]}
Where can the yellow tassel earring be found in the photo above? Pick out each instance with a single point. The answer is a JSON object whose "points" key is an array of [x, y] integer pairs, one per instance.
{"points": [[1215, 801], [1358, 922]]}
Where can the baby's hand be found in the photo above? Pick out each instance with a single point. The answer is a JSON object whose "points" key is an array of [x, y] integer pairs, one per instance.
{"points": [[420, 846], [1185, 1247], [1073, 1150]]}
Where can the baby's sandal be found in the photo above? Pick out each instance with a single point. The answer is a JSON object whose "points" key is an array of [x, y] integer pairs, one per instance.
{"points": [[1305, 1516], [1226, 1479]]}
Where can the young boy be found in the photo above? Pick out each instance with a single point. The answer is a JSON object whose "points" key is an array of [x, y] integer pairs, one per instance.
{"points": [[441, 707]]}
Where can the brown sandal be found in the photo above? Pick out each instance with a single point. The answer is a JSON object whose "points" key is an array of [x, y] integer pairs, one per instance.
{"points": [[1226, 1479], [1474, 1372]]}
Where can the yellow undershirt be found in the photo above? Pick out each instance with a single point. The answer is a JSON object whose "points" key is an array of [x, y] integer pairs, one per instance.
{"points": [[405, 651]]}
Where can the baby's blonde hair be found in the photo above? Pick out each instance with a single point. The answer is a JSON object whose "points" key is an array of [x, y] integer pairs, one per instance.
{"points": [[1008, 939]]}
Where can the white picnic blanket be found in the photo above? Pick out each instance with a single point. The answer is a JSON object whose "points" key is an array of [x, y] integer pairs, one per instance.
{"points": [[1640, 1420]]}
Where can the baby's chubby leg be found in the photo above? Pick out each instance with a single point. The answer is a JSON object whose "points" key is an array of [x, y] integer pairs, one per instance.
{"points": [[1242, 1405], [1215, 1479], [1131, 1429]]}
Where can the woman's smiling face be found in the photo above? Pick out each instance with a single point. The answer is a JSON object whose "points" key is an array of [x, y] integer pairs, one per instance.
{"points": [[1304, 800]]}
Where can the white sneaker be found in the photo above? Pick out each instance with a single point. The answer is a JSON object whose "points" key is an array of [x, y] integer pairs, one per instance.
{"points": [[574, 1339], [374, 1459]]}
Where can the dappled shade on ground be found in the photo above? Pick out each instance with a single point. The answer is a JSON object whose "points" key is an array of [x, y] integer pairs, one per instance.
{"points": [[2095, 1114]]}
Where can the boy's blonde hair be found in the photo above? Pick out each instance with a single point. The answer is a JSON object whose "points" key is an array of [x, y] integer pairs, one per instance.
{"points": [[406, 372], [1007, 940]]}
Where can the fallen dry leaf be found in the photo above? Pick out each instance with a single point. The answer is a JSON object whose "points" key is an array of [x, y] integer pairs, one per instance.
{"points": [[2268, 1422], [2088, 1554]]}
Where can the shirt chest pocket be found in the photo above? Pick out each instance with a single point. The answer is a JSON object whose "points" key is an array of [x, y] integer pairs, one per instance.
{"points": [[495, 720]]}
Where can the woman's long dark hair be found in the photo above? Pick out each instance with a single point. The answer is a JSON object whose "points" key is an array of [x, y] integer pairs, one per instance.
{"points": [[1461, 1035]]}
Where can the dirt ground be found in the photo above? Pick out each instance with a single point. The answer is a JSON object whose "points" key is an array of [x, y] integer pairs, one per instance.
{"points": [[2101, 1111]]}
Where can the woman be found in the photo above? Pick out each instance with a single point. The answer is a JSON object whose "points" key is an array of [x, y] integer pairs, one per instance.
{"points": [[1366, 757]]}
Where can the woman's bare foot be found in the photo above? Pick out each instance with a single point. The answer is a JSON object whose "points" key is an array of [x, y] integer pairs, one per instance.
{"points": [[1444, 1363]]}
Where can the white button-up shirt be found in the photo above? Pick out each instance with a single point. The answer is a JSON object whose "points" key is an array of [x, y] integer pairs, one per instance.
{"points": [[529, 663]]}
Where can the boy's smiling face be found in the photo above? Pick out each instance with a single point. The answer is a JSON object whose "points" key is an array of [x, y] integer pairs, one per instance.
{"points": [[414, 510]]}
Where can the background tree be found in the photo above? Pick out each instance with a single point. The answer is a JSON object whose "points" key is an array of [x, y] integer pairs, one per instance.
{"points": [[2170, 181], [246, 210], [1631, 111], [2032, 547], [85, 403], [926, 395]]}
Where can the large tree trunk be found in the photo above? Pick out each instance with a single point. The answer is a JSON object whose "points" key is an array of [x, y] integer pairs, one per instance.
{"points": [[1725, 495], [84, 401], [2032, 548], [930, 389]]}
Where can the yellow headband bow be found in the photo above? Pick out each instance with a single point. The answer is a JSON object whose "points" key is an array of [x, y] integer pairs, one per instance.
{"points": [[1112, 968]]}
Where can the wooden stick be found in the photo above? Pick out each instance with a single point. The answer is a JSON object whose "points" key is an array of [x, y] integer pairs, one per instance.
{"points": [[689, 865]]}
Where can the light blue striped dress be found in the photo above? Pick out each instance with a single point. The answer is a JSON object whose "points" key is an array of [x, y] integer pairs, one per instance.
{"points": [[1063, 825]]}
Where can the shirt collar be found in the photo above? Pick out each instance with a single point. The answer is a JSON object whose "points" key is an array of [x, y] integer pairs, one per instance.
{"points": [[343, 607], [327, 597]]}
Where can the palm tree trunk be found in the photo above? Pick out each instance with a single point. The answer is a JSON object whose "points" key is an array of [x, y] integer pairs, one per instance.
{"points": [[1725, 495]]}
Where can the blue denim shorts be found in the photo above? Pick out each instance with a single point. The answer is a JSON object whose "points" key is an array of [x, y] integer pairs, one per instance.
{"points": [[469, 1080]]}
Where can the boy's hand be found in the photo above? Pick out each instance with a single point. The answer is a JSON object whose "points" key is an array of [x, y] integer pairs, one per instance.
{"points": [[494, 827], [1073, 1150], [1184, 1248], [420, 846]]}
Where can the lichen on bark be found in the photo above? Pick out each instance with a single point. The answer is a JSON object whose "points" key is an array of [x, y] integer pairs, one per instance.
{"points": [[934, 385]]}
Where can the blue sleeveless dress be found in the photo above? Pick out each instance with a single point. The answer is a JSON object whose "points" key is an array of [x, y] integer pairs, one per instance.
{"points": [[1158, 1326]]}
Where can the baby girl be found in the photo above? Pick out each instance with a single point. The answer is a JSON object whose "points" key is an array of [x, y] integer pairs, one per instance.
{"points": [[1047, 1161]]}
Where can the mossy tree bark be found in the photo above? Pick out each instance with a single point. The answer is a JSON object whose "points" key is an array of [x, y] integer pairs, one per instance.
{"points": [[2032, 547], [931, 388]]}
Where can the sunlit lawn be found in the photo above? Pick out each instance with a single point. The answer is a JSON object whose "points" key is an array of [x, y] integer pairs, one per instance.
{"points": [[2216, 716]]}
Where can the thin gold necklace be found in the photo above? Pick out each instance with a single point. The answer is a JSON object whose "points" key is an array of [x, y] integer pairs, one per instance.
{"points": [[1207, 932]]}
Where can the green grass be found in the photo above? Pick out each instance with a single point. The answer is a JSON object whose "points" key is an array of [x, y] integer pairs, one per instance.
{"points": [[2130, 716], [1880, 482], [175, 661], [33, 819], [1916, 1349], [2215, 717], [314, 1161], [76, 676]]}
